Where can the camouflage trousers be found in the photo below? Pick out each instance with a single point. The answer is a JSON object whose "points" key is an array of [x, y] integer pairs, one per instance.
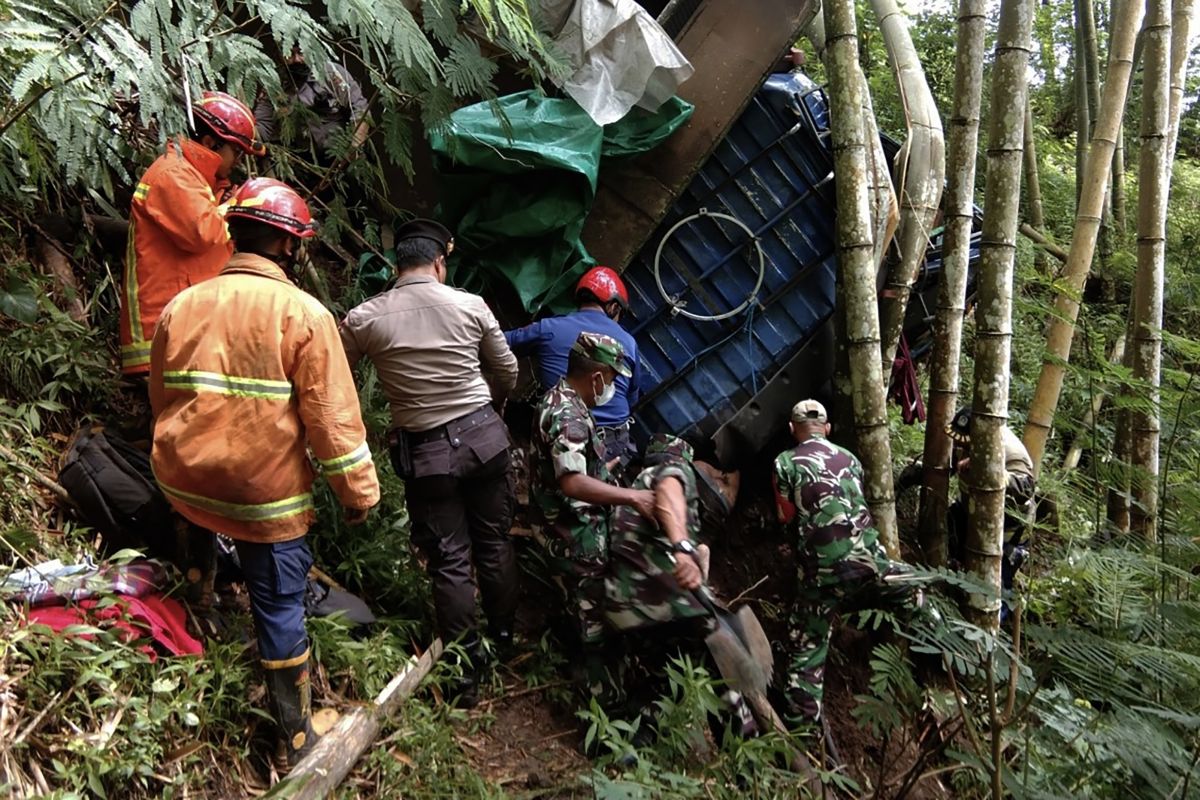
{"points": [[602, 665], [811, 625], [600, 670], [809, 632]]}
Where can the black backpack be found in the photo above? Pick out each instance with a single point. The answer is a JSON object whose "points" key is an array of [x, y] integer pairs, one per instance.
{"points": [[111, 482]]}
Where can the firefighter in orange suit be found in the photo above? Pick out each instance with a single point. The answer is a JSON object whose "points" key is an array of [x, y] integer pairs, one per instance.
{"points": [[247, 373], [177, 235]]}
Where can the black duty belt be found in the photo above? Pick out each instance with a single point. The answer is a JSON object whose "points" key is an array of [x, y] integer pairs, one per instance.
{"points": [[452, 429]]}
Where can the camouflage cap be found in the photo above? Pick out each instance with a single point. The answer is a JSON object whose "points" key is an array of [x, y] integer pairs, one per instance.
{"points": [[666, 445], [604, 350], [809, 411]]}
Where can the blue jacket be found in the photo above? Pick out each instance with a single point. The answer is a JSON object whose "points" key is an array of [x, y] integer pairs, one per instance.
{"points": [[550, 340]]}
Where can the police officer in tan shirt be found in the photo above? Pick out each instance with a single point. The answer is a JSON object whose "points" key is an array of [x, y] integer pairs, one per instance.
{"points": [[442, 361]]}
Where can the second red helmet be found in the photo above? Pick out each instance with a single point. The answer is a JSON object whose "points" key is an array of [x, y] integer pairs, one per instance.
{"points": [[604, 284], [273, 203], [230, 119]]}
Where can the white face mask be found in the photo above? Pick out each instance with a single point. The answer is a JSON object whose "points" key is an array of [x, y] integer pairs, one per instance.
{"points": [[607, 393]]}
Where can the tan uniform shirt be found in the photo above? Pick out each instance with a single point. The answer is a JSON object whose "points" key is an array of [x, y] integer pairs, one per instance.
{"points": [[436, 350], [1016, 458]]}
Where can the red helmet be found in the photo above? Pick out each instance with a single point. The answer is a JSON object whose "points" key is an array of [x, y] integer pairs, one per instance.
{"points": [[604, 284], [272, 202], [230, 119]]}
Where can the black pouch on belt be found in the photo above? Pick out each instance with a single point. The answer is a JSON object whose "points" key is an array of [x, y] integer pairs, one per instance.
{"points": [[401, 454]]}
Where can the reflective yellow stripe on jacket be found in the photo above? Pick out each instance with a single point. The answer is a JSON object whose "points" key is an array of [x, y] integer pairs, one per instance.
{"points": [[132, 309], [136, 354], [343, 464], [234, 385], [244, 512]]}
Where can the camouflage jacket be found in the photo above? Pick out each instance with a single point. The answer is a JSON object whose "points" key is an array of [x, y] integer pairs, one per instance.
{"points": [[641, 589], [574, 533], [837, 539]]}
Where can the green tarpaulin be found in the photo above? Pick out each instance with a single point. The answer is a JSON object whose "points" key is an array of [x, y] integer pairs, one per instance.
{"points": [[518, 178]]}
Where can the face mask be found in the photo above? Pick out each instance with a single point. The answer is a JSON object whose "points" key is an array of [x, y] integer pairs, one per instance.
{"points": [[299, 72], [607, 393]]}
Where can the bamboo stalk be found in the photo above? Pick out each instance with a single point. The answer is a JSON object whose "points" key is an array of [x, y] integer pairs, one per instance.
{"points": [[856, 271], [951, 301], [1153, 173], [921, 172], [1042, 242], [1033, 188], [993, 312], [335, 754], [1083, 240]]}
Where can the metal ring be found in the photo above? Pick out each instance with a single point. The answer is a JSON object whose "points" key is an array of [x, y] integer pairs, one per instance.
{"points": [[676, 306]]}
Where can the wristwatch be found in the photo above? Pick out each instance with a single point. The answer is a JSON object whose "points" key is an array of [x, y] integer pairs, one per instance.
{"points": [[686, 546]]}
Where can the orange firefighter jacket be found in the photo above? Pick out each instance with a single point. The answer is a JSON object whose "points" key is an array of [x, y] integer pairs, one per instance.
{"points": [[177, 238], [245, 368]]}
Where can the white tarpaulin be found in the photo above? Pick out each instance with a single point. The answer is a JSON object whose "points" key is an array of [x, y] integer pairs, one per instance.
{"points": [[622, 58]]}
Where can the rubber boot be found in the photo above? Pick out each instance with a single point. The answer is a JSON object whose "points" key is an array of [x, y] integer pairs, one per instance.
{"points": [[289, 693]]}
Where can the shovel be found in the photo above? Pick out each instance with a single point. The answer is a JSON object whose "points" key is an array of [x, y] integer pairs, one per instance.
{"points": [[739, 645], [743, 656]]}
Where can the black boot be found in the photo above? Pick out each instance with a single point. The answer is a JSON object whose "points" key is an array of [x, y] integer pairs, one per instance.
{"points": [[463, 689], [290, 695], [502, 637]]}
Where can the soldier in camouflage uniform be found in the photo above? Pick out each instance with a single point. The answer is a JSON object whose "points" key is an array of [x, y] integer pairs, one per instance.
{"points": [[653, 570], [572, 495], [819, 491]]}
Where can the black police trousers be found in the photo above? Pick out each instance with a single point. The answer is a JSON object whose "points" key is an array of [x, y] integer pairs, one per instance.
{"points": [[460, 504]]}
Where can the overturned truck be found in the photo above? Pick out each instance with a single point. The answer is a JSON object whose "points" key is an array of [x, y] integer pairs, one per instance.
{"points": [[723, 228]]}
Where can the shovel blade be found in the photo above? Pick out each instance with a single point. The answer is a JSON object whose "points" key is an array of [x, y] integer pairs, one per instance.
{"points": [[756, 641], [739, 669]]}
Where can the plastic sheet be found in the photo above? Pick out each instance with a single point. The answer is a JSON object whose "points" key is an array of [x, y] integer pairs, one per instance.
{"points": [[518, 179], [622, 58]]}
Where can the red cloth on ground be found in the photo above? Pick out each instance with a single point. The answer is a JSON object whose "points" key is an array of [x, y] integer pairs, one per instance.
{"points": [[161, 618]]}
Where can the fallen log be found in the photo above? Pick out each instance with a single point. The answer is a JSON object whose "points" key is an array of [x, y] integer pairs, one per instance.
{"points": [[334, 756], [1038, 238]]}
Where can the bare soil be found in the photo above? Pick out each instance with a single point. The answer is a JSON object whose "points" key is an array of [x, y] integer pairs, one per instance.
{"points": [[530, 748]]}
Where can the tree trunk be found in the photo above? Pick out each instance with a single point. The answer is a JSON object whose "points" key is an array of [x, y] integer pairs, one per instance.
{"points": [[993, 312], [1083, 123], [921, 171], [1033, 190], [856, 264], [1183, 15], [881, 193], [1091, 57], [1083, 241], [885, 215], [1120, 216], [1151, 257], [53, 256], [947, 325]]}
